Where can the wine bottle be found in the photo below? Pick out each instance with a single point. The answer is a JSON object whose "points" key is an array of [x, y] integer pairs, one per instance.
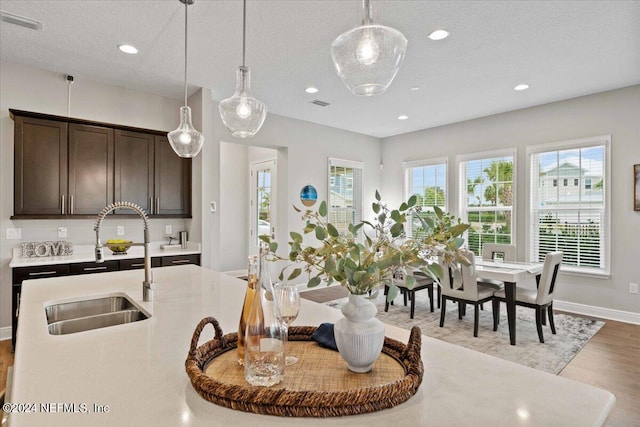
{"points": [[264, 336], [252, 281]]}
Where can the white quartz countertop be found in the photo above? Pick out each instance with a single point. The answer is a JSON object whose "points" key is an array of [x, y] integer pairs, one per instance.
{"points": [[86, 253], [137, 370]]}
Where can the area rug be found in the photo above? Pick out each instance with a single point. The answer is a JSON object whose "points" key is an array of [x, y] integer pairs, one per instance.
{"points": [[552, 356]]}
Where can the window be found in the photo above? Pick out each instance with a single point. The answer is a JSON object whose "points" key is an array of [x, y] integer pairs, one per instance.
{"points": [[427, 179], [487, 198], [565, 182], [555, 182], [345, 193], [575, 182], [573, 220]]}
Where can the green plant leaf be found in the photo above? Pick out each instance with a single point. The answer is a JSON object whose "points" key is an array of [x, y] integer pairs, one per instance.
{"points": [[395, 214], [436, 270], [358, 275], [330, 264], [412, 201], [295, 273], [322, 210], [438, 212], [309, 228], [295, 208], [333, 231], [273, 247], [376, 207], [296, 237], [458, 229], [392, 292], [396, 229], [313, 282], [320, 233], [410, 282], [359, 226], [403, 206], [378, 198], [264, 238], [281, 276]]}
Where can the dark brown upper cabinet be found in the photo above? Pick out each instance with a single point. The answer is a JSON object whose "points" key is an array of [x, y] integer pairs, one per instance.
{"points": [[40, 167], [172, 185], [72, 168]]}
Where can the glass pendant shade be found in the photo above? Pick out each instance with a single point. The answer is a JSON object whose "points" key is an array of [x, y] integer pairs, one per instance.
{"points": [[367, 58], [186, 141], [242, 114]]}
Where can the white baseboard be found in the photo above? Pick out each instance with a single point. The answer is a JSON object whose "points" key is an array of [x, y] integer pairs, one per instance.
{"points": [[604, 313], [5, 333]]}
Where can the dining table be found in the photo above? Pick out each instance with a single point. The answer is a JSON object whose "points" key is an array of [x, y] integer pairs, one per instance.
{"points": [[510, 273]]}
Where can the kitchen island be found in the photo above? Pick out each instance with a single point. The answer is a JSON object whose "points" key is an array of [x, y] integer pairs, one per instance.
{"points": [[133, 374]]}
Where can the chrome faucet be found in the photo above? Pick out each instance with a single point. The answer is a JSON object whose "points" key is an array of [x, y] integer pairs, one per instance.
{"points": [[147, 286]]}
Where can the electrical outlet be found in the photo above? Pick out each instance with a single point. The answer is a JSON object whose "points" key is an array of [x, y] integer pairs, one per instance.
{"points": [[120, 230], [168, 230], [633, 288], [14, 233], [214, 207], [62, 232]]}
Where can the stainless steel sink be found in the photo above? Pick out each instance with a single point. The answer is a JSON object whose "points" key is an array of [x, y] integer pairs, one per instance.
{"points": [[84, 308], [84, 315], [98, 321]]}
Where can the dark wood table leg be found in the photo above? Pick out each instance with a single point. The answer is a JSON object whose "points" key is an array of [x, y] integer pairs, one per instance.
{"points": [[510, 291]]}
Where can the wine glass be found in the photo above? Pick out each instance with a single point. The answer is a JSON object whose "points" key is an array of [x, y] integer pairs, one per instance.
{"points": [[288, 300]]}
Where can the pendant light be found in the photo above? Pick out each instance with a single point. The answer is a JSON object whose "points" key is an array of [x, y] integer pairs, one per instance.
{"points": [[186, 141], [243, 114], [367, 58]]}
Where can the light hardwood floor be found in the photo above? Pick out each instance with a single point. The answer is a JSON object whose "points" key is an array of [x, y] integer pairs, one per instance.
{"points": [[610, 360]]}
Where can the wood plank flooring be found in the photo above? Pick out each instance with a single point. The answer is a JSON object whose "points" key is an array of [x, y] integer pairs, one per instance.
{"points": [[610, 360]]}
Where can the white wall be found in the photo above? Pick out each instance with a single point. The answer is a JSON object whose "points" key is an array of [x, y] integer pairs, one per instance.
{"points": [[615, 113], [31, 89]]}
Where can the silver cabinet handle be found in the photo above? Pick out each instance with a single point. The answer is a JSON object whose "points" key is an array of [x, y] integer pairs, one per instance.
{"points": [[62, 204], [42, 273], [180, 261], [157, 211], [150, 205], [137, 265], [71, 205], [94, 268]]}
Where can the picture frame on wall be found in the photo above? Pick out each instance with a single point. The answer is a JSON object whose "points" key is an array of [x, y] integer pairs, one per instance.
{"points": [[636, 187]]}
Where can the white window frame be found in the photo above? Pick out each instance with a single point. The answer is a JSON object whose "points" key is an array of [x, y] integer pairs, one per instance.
{"points": [[335, 162], [531, 240], [461, 184], [408, 165]]}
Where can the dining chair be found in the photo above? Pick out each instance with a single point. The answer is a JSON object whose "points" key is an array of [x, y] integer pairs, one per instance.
{"points": [[465, 291], [539, 299], [506, 253], [422, 282]]}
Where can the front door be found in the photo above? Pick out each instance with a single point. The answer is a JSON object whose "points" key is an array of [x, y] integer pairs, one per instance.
{"points": [[263, 202]]}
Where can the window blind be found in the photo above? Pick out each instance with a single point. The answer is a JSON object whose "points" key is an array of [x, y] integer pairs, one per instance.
{"points": [[427, 180], [345, 193]]}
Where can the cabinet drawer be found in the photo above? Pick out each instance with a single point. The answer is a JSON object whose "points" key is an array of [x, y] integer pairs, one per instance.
{"points": [[93, 267], [39, 272], [180, 259], [135, 263]]}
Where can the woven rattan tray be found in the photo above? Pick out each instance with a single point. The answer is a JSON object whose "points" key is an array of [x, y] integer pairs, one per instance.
{"points": [[319, 385]]}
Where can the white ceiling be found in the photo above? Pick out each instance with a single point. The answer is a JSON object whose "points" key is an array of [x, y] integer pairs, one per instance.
{"points": [[563, 49]]}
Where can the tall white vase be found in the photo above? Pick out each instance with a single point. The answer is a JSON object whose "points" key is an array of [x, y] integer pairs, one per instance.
{"points": [[359, 335]]}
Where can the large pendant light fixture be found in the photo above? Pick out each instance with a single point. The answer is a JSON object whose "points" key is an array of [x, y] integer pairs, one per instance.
{"points": [[367, 58], [186, 141], [242, 114]]}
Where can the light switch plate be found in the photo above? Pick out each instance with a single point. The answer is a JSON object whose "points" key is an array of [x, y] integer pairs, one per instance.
{"points": [[168, 229], [214, 207], [62, 232], [14, 233], [120, 230], [633, 288]]}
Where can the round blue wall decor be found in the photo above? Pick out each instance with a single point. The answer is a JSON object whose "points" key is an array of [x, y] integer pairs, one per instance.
{"points": [[308, 195]]}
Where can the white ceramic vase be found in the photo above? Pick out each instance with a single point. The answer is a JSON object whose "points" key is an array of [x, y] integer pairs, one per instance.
{"points": [[359, 335]]}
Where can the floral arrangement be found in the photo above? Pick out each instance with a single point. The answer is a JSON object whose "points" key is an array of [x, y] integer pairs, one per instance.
{"points": [[370, 253]]}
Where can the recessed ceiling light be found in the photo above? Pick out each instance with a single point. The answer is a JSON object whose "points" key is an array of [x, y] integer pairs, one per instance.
{"points": [[439, 35], [521, 87], [311, 89], [127, 48], [415, 88], [403, 117]]}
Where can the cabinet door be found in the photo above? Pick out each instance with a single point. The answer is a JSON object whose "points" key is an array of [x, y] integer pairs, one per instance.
{"points": [[172, 180], [90, 169], [180, 259], [134, 170], [40, 167]]}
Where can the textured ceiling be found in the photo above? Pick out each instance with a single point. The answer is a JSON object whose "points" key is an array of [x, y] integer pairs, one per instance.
{"points": [[563, 49]]}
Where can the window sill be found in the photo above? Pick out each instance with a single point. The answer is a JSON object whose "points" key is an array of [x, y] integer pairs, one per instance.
{"points": [[581, 273]]}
